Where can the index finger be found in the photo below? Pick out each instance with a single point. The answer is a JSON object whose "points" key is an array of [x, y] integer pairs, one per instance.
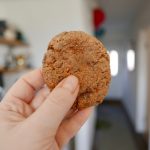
{"points": [[25, 88]]}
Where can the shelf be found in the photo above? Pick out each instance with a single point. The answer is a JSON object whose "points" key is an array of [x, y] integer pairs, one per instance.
{"points": [[13, 70], [12, 43]]}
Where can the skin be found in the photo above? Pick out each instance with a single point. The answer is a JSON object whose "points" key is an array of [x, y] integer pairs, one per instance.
{"points": [[33, 118]]}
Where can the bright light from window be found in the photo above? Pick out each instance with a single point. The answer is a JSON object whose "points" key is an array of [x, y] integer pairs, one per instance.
{"points": [[114, 62], [131, 60]]}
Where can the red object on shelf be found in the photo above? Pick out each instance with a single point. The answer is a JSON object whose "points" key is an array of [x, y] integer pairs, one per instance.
{"points": [[98, 17]]}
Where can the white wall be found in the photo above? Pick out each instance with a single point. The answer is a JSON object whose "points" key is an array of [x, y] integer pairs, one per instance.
{"points": [[123, 86], [142, 82], [128, 86], [117, 82], [84, 139], [41, 20], [143, 18], [129, 95], [142, 22]]}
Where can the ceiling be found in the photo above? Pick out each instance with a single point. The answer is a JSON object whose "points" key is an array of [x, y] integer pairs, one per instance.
{"points": [[120, 15]]}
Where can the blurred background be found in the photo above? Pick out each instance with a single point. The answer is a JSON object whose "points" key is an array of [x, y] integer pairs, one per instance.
{"points": [[122, 121]]}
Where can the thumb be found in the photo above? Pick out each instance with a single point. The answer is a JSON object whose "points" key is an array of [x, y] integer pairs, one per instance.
{"points": [[53, 110]]}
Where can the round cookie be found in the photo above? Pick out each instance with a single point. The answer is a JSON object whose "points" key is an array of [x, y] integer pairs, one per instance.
{"points": [[84, 56]]}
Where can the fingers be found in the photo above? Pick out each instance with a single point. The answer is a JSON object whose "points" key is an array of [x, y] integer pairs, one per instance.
{"points": [[53, 110], [71, 126], [40, 97], [25, 88]]}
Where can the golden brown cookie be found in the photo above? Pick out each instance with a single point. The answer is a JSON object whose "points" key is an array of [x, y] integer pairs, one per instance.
{"points": [[84, 56]]}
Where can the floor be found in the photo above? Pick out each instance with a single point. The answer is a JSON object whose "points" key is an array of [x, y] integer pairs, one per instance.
{"points": [[113, 131]]}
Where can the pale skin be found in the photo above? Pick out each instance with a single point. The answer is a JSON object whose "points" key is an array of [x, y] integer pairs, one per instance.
{"points": [[33, 118]]}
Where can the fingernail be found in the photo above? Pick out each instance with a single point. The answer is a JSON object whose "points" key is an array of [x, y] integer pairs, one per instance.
{"points": [[70, 83]]}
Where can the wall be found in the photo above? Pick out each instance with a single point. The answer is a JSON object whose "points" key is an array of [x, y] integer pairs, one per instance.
{"points": [[142, 20], [148, 103], [123, 86], [129, 94], [84, 139], [41, 20], [130, 88], [142, 23], [117, 82], [142, 82]]}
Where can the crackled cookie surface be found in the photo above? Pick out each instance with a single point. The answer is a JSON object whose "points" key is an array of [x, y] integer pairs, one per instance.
{"points": [[84, 56]]}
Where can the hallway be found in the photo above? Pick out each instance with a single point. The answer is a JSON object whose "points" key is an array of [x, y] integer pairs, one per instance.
{"points": [[114, 130], [123, 26]]}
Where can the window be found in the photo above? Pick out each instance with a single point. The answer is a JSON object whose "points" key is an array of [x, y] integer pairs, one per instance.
{"points": [[130, 60], [114, 62]]}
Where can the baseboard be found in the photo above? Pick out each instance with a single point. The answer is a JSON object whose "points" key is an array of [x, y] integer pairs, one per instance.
{"points": [[113, 102]]}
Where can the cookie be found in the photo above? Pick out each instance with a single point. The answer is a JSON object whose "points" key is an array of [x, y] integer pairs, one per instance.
{"points": [[79, 54]]}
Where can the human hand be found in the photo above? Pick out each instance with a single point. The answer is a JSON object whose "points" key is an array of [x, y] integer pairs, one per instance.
{"points": [[32, 118]]}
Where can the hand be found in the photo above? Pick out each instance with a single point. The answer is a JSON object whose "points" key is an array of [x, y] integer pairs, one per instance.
{"points": [[32, 118]]}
